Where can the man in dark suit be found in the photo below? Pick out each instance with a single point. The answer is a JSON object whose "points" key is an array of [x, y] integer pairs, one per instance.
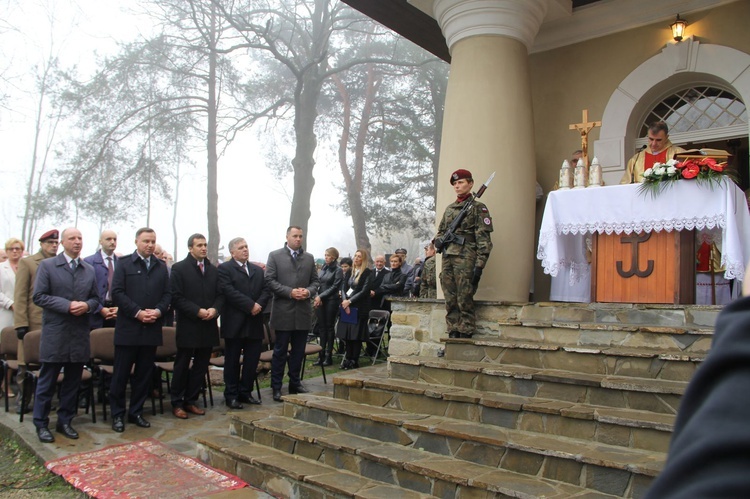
{"points": [[246, 296], [140, 290], [197, 301], [26, 315], [293, 279], [378, 273], [104, 262], [65, 288]]}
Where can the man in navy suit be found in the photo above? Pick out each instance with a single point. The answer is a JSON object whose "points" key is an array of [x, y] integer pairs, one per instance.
{"points": [[140, 290], [65, 288], [104, 262], [246, 295]]}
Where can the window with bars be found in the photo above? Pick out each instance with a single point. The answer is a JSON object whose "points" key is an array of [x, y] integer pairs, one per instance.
{"points": [[697, 108]]}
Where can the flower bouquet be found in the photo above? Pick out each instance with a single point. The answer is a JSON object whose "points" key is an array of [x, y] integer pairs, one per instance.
{"points": [[704, 170]]}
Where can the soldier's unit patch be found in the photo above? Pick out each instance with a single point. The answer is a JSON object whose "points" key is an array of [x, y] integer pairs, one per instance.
{"points": [[487, 221]]}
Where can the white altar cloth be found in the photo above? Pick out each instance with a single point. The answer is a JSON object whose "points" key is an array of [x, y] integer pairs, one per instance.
{"points": [[571, 214]]}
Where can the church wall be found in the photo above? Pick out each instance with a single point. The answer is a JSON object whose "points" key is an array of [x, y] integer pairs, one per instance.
{"points": [[584, 76]]}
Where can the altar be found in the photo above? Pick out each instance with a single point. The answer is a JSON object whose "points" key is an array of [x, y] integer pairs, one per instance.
{"points": [[572, 217]]}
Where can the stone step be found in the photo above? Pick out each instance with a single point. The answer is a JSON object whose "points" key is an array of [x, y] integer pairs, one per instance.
{"points": [[407, 467], [676, 365], [625, 392], [695, 341], [605, 468], [691, 316], [624, 427], [280, 474]]}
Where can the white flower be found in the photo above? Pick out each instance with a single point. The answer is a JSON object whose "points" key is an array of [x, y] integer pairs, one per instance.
{"points": [[660, 170], [672, 162], [648, 172], [671, 170]]}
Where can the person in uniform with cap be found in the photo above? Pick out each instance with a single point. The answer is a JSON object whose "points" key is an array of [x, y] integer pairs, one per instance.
{"points": [[463, 263], [27, 316]]}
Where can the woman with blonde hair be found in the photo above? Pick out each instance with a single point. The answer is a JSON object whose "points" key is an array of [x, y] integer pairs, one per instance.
{"points": [[14, 249], [355, 309]]}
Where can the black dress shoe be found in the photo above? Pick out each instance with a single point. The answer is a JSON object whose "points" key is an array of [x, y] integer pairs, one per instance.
{"points": [[67, 430], [454, 334], [118, 424], [294, 390], [277, 395], [45, 436], [465, 335], [249, 400], [327, 362], [234, 404], [139, 421]]}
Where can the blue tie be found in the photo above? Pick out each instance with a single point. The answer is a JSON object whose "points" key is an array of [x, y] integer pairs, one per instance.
{"points": [[73, 264]]}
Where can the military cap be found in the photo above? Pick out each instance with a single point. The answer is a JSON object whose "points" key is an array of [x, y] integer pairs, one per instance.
{"points": [[400, 250], [459, 174], [50, 234]]}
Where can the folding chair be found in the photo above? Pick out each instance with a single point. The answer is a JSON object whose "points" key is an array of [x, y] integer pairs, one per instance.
{"points": [[8, 358], [377, 327]]}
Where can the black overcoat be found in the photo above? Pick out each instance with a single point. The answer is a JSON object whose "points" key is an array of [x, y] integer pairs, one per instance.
{"points": [[134, 288], [193, 290], [241, 292]]}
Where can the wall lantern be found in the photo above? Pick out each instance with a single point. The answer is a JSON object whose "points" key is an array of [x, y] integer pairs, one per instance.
{"points": [[678, 28]]}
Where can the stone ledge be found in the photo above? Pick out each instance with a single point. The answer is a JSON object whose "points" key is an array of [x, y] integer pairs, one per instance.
{"points": [[636, 461]]}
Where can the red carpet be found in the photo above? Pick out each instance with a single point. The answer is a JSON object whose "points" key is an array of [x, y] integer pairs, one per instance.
{"points": [[141, 469]]}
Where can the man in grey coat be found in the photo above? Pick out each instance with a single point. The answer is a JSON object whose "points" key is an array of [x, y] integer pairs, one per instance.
{"points": [[65, 288], [293, 279]]}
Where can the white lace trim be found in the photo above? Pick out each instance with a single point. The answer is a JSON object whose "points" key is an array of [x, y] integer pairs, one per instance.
{"points": [[601, 227], [580, 268]]}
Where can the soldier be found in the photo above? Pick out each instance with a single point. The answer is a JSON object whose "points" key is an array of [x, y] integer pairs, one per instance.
{"points": [[463, 263], [427, 279]]}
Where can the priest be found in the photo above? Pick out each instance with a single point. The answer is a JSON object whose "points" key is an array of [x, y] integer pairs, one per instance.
{"points": [[659, 150]]}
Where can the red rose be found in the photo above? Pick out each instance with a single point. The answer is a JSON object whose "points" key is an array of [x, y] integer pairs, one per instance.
{"points": [[691, 170]]}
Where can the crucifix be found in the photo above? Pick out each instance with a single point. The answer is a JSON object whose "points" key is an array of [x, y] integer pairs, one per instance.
{"points": [[584, 128]]}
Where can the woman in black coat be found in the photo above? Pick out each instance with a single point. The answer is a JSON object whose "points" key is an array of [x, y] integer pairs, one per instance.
{"points": [[393, 283], [356, 295], [327, 304]]}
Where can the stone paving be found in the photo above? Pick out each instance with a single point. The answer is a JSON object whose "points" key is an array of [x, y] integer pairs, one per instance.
{"points": [[178, 434]]}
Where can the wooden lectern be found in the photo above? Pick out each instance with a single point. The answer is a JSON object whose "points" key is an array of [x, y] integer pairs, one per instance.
{"points": [[645, 267]]}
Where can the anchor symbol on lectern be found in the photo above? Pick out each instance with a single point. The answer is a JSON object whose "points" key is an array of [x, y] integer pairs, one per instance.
{"points": [[634, 270]]}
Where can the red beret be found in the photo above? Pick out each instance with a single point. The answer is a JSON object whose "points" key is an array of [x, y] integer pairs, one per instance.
{"points": [[459, 174], [50, 234]]}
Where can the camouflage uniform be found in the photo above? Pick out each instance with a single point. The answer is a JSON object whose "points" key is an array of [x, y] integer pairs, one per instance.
{"points": [[459, 262], [428, 279]]}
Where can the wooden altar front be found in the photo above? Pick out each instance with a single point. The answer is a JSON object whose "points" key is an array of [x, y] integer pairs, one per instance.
{"points": [[644, 267], [576, 220]]}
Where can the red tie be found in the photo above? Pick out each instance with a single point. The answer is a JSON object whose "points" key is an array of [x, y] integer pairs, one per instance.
{"points": [[200, 266]]}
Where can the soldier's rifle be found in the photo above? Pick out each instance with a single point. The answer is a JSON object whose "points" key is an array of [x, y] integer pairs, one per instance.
{"points": [[450, 235]]}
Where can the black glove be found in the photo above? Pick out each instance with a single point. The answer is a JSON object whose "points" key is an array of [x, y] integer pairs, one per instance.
{"points": [[477, 276], [21, 332]]}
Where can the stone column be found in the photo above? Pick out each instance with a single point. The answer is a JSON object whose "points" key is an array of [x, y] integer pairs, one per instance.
{"points": [[488, 126]]}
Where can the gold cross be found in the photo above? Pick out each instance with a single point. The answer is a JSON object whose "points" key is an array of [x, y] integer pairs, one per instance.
{"points": [[584, 128]]}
